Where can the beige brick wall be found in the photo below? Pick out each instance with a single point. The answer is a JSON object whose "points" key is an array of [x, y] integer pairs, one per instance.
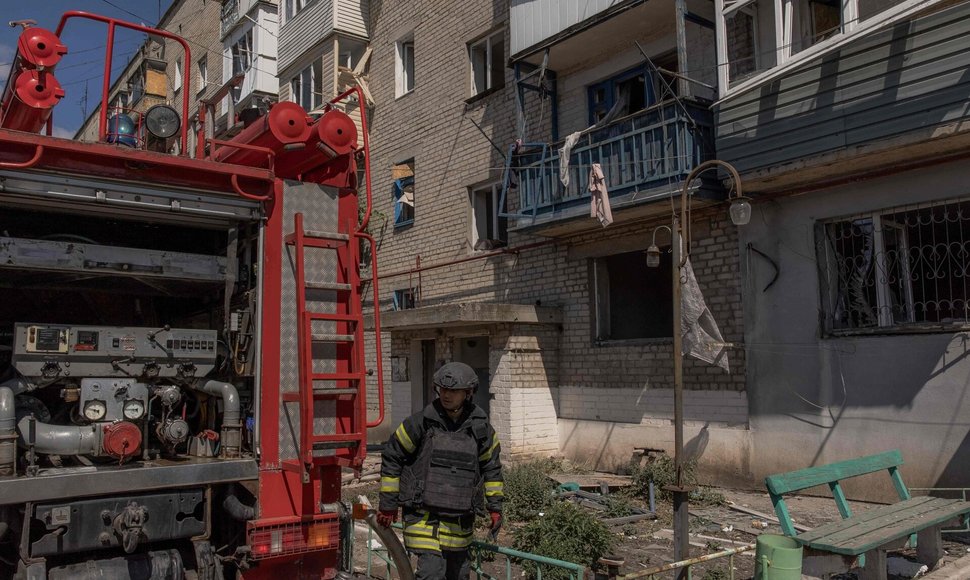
{"points": [[533, 370]]}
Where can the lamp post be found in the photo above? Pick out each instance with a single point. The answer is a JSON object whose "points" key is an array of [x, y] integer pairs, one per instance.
{"points": [[740, 211]]}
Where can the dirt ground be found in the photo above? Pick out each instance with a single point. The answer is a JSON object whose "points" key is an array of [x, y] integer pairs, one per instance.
{"points": [[649, 543]]}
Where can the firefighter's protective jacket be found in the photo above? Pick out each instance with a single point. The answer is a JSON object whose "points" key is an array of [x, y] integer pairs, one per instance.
{"points": [[428, 528]]}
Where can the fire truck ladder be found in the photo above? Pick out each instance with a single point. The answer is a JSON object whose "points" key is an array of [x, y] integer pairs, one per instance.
{"points": [[349, 394]]}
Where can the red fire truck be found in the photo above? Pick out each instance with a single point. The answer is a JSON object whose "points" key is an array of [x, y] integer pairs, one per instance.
{"points": [[182, 365]]}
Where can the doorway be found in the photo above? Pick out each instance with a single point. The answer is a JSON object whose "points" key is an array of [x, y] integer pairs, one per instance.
{"points": [[473, 351]]}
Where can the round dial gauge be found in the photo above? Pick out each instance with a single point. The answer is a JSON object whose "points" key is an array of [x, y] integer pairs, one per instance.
{"points": [[95, 410], [134, 409]]}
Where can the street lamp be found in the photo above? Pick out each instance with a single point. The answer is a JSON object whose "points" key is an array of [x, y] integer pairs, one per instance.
{"points": [[740, 211]]}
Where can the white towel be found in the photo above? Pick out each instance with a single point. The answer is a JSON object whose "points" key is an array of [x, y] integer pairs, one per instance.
{"points": [[599, 196]]}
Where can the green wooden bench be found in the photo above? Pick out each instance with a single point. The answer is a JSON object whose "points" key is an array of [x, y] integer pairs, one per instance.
{"points": [[864, 538]]}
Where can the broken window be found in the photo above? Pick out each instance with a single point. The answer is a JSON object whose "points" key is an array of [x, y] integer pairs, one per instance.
{"points": [[403, 176], [405, 299], [899, 268], [487, 59], [632, 301], [242, 53], [306, 88], [405, 66], [814, 21], [489, 229], [622, 95]]}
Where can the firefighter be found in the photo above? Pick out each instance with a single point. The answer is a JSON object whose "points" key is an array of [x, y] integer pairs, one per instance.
{"points": [[437, 467]]}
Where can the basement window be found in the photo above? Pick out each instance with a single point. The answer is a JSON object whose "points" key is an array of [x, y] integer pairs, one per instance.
{"points": [[900, 269], [405, 299], [403, 193], [632, 301], [489, 229]]}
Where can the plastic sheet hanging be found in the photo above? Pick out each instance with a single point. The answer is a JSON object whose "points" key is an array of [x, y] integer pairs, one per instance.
{"points": [[702, 338]]}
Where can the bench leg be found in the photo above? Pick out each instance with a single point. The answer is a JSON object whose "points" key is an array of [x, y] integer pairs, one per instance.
{"points": [[929, 546], [875, 568]]}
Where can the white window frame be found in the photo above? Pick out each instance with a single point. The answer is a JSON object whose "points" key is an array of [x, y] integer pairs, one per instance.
{"points": [[495, 233], [241, 51], [404, 75], [492, 79], [312, 74], [784, 32], [202, 77]]}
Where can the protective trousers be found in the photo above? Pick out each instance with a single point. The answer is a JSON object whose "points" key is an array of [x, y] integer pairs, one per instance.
{"points": [[444, 565]]}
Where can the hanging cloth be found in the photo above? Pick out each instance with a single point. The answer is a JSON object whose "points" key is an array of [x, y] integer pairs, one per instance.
{"points": [[702, 337], [599, 197], [564, 153]]}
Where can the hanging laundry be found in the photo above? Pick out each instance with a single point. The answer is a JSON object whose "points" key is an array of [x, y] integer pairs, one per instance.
{"points": [[564, 153], [599, 196], [702, 337]]}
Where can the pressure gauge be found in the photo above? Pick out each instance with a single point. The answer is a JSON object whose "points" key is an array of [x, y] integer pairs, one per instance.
{"points": [[95, 410], [134, 409]]}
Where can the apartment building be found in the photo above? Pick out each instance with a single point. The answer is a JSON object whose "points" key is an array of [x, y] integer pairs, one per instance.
{"points": [[486, 257], [849, 125]]}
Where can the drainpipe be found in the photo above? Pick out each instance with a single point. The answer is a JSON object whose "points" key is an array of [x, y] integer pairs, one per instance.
{"points": [[8, 432], [231, 433]]}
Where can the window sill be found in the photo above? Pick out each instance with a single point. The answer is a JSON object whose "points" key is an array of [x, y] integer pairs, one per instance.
{"points": [[483, 94], [403, 225], [898, 331], [402, 95], [633, 342]]}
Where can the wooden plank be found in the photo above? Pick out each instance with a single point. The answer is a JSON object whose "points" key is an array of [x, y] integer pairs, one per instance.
{"points": [[840, 501], [823, 474], [859, 539], [863, 518]]}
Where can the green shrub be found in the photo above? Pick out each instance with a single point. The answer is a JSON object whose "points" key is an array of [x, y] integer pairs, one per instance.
{"points": [[528, 490], [618, 507], [565, 532], [662, 472], [716, 574]]}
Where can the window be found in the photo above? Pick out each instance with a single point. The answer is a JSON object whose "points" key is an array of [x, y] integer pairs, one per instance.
{"points": [[403, 176], [489, 229], [632, 301], [621, 95], [306, 88], [136, 85], [120, 101], [203, 75], [405, 66], [487, 58], [742, 34], [405, 299], [901, 268], [294, 7], [177, 77], [242, 53]]}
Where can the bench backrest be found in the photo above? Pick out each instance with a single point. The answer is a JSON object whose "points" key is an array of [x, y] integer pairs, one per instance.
{"points": [[830, 475]]}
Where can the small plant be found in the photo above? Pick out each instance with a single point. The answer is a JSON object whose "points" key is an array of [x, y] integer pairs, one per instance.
{"points": [[713, 546], [564, 532], [707, 496], [662, 472], [528, 490], [618, 507], [716, 574]]}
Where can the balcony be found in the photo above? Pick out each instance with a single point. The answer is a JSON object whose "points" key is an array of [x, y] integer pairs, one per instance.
{"points": [[228, 16], [644, 156]]}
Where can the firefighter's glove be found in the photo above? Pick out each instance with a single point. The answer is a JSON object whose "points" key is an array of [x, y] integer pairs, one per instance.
{"points": [[386, 518], [496, 525]]}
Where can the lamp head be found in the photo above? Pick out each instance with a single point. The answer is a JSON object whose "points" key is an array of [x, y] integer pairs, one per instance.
{"points": [[740, 211], [653, 256]]}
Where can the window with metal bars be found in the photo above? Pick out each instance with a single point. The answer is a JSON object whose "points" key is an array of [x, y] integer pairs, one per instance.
{"points": [[904, 268]]}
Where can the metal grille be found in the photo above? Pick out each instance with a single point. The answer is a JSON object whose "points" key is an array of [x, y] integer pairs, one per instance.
{"points": [[900, 268], [296, 538]]}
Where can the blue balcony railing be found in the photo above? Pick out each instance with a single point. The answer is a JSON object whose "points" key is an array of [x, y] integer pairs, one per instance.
{"points": [[652, 150]]}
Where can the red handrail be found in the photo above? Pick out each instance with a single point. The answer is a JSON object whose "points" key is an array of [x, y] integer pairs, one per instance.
{"points": [[106, 83]]}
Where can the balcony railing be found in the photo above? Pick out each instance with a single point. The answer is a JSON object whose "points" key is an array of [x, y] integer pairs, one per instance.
{"points": [[653, 149]]}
